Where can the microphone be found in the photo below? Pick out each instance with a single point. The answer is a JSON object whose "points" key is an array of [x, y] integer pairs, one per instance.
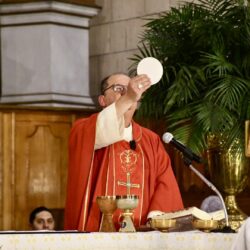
{"points": [[190, 156], [169, 138]]}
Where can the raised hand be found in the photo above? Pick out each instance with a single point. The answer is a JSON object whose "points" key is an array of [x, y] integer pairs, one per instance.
{"points": [[137, 86]]}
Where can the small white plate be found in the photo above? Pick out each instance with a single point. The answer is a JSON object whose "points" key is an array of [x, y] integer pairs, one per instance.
{"points": [[151, 67]]}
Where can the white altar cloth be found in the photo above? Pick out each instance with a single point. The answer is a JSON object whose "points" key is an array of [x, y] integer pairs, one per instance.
{"points": [[194, 240]]}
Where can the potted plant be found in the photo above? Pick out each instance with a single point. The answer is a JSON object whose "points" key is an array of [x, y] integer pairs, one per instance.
{"points": [[204, 47]]}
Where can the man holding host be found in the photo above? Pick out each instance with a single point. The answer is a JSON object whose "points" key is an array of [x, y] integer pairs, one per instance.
{"points": [[111, 154]]}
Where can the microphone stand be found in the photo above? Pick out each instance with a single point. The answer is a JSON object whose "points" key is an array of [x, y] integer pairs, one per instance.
{"points": [[227, 228]]}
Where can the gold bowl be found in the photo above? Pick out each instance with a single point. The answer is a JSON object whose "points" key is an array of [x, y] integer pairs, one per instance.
{"points": [[205, 225], [162, 224]]}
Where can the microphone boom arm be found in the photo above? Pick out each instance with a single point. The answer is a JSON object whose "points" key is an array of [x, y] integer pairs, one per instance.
{"points": [[211, 185], [189, 156]]}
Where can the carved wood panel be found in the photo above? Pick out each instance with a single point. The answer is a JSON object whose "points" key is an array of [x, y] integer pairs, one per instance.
{"points": [[34, 158]]}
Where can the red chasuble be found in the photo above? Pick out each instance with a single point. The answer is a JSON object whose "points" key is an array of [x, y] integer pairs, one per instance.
{"points": [[117, 170]]}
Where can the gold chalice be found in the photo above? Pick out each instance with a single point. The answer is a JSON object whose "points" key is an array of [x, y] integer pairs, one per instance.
{"points": [[127, 203], [229, 170], [107, 205]]}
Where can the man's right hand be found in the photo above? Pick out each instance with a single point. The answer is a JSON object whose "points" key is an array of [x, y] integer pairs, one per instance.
{"points": [[137, 86], [127, 103]]}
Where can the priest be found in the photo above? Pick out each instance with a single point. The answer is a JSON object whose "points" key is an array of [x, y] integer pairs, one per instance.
{"points": [[110, 154]]}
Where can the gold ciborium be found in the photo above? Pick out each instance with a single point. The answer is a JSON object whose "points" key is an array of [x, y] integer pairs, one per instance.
{"points": [[107, 205], [127, 203], [229, 171]]}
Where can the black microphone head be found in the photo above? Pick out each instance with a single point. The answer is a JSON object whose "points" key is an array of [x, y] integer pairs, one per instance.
{"points": [[167, 137]]}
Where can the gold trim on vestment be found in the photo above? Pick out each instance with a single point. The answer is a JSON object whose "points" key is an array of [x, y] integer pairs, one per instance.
{"points": [[87, 192], [113, 159], [113, 151], [106, 191], [142, 188], [128, 159]]}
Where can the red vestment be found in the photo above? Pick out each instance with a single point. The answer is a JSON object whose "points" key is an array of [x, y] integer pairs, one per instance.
{"points": [[103, 172]]}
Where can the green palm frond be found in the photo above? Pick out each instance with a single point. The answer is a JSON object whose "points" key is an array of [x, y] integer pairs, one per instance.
{"points": [[228, 92], [218, 64], [204, 47]]}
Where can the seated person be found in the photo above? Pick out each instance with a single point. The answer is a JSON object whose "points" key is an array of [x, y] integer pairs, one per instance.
{"points": [[41, 218]]}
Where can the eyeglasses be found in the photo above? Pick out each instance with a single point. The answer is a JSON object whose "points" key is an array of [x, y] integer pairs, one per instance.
{"points": [[117, 88]]}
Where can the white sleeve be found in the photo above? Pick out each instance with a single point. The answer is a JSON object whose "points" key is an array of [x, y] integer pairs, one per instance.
{"points": [[109, 129]]}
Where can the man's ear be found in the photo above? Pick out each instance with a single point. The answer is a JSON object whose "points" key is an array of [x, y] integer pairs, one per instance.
{"points": [[101, 100]]}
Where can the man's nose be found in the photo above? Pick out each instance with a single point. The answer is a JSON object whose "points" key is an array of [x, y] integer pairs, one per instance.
{"points": [[123, 92], [45, 225]]}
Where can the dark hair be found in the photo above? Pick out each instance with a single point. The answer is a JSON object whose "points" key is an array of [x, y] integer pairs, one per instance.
{"points": [[36, 211], [104, 82]]}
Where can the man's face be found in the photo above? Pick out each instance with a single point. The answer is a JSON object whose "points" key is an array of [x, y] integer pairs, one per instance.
{"points": [[43, 220], [110, 96]]}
